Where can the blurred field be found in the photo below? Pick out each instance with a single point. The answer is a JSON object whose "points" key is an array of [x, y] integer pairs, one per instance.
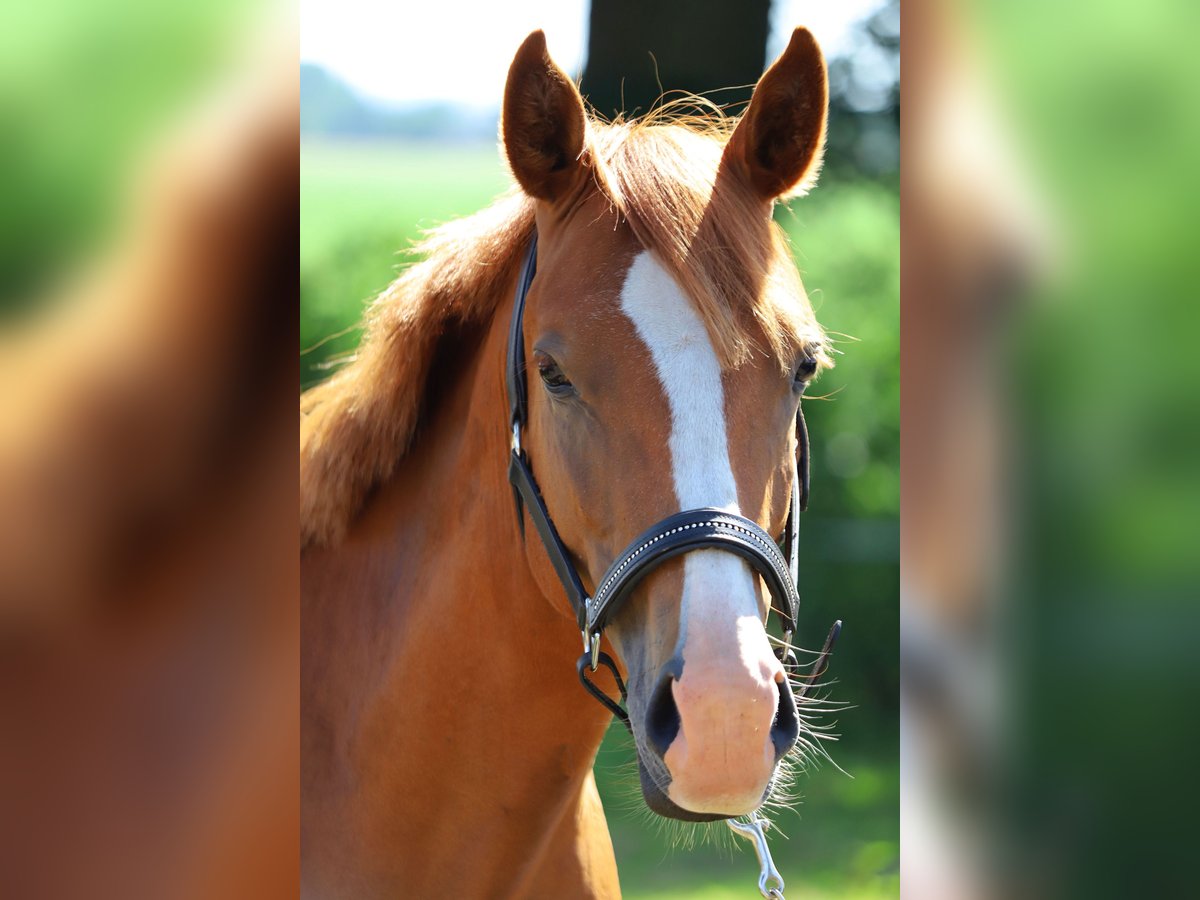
{"points": [[361, 203]]}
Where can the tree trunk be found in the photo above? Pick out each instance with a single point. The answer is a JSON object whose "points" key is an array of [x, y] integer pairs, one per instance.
{"points": [[699, 46]]}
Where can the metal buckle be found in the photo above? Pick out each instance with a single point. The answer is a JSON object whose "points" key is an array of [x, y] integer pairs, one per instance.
{"points": [[516, 437], [786, 655]]}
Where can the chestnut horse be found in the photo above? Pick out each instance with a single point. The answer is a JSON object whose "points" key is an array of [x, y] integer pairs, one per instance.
{"points": [[447, 747]]}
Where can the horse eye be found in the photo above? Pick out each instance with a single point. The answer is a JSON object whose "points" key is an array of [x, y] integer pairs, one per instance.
{"points": [[806, 370], [553, 377]]}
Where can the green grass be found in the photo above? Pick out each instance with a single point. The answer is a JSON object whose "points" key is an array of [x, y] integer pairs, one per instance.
{"points": [[840, 840], [349, 188], [740, 890], [361, 205]]}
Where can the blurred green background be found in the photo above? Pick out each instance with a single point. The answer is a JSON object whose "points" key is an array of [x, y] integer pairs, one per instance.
{"points": [[363, 201], [84, 88], [1104, 99]]}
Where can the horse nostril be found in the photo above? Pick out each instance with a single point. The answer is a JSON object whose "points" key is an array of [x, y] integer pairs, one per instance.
{"points": [[786, 727], [662, 716]]}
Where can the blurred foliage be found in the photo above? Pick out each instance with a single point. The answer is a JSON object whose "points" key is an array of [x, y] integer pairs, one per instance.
{"points": [[77, 105], [1105, 373], [864, 100], [363, 202]]}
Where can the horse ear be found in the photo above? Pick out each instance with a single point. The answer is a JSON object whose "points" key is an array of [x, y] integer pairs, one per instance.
{"points": [[543, 123], [779, 141]]}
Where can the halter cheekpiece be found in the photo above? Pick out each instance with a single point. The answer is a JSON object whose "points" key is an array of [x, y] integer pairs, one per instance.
{"points": [[692, 529]]}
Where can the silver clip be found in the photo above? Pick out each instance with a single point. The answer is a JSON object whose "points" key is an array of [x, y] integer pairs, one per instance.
{"points": [[770, 882], [591, 648], [516, 437]]}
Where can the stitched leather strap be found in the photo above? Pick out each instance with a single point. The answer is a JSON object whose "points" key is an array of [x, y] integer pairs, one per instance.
{"points": [[801, 460], [526, 489], [694, 529], [515, 371], [791, 529]]}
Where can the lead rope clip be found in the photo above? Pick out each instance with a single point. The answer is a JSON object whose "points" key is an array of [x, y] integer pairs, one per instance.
{"points": [[770, 882]]}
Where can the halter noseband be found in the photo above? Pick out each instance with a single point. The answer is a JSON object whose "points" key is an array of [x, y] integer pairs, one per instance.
{"points": [[693, 529]]}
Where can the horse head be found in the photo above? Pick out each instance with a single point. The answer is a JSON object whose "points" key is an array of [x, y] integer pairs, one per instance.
{"points": [[668, 340]]}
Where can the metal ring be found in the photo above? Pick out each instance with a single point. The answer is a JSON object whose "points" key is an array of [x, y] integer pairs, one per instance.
{"points": [[776, 890]]}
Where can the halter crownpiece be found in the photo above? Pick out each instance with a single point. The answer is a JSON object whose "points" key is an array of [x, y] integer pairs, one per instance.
{"points": [[683, 532]]}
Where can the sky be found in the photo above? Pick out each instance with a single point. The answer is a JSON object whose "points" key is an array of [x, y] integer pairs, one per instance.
{"points": [[409, 52]]}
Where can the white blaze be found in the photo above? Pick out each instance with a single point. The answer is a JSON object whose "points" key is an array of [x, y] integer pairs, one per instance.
{"points": [[717, 586]]}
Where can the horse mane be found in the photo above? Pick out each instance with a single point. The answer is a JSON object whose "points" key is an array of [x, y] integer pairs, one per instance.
{"points": [[664, 176]]}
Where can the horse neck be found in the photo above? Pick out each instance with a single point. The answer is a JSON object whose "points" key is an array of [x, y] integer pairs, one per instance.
{"points": [[454, 673]]}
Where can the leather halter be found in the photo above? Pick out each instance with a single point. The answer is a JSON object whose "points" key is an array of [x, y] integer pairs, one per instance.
{"points": [[693, 529]]}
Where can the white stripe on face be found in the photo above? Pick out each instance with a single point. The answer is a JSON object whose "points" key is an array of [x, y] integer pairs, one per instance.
{"points": [[715, 584]]}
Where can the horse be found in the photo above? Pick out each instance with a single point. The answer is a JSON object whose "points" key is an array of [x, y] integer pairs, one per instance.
{"points": [[445, 747]]}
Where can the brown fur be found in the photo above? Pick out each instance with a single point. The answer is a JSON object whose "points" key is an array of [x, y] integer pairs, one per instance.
{"points": [[780, 143], [356, 426], [663, 175], [543, 123]]}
